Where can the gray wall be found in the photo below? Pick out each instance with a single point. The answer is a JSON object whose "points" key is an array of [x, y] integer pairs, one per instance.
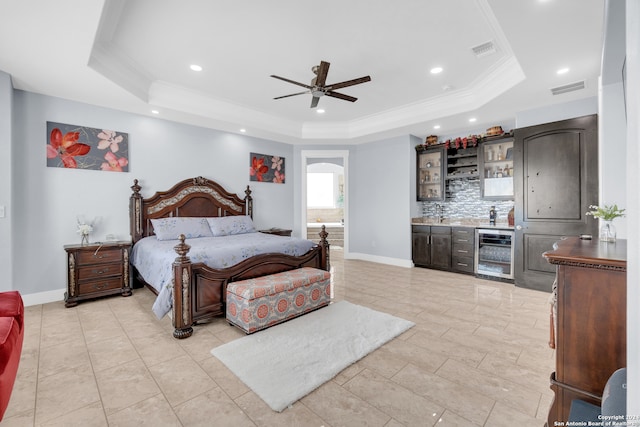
{"points": [[6, 230], [378, 202], [47, 200]]}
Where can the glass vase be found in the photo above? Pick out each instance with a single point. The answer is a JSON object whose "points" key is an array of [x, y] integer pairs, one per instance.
{"points": [[85, 239], [608, 232]]}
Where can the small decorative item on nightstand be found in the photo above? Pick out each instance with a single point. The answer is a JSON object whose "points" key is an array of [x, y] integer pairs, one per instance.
{"points": [[84, 229], [96, 270]]}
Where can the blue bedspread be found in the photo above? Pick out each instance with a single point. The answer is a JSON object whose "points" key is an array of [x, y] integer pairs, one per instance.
{"points": [[153, 258]]}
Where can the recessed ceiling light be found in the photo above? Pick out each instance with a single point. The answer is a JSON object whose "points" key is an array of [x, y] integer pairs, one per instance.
{"points": [[436, 70], [195, 67], [472, 119], [436, 127], [155, 112], [243, 130], [563, 70], [320, 111]]}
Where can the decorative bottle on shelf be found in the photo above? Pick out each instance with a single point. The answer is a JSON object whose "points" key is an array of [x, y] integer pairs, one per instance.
{"points": [[500, 154], [492, 215], [511, 217], [490, 154]]}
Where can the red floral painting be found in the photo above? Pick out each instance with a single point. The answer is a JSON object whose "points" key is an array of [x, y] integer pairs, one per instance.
{"points": [[81, 147], [266, 168]]}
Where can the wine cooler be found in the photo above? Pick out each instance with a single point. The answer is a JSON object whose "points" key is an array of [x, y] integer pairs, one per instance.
{"points": [[494, 253]]}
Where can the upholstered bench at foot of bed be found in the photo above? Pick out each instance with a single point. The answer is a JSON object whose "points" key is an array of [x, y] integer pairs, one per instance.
{"points": [[258, 303]]}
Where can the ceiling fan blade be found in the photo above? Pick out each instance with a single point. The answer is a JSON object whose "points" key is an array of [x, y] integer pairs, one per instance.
{"points": [[341, 96], [323, 70], [348, 83], [293, 94], [314, 101], [291, 81]]}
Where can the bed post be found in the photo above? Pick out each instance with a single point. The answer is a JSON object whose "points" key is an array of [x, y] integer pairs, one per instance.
{"points": [[182, 276], [325, 262], [248, 202], [135, 212]]}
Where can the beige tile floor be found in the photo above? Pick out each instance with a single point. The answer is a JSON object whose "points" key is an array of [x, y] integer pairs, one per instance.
{"points": [[478, 356]]}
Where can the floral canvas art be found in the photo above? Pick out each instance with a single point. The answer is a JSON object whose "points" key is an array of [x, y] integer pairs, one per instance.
{"points": [[81, 147], [266, 168]]}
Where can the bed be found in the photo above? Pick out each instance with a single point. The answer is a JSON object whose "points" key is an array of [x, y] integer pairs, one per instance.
{"points": [[202, 283]]}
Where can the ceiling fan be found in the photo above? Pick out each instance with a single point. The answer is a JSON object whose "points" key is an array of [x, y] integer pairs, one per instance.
{"points": [[318, 88]]}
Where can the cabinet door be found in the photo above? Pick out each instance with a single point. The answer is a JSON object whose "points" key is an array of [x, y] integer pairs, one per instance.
{"points": [[496, 169], [429, 175], [557, 183], [441, 251], [421, 248]]}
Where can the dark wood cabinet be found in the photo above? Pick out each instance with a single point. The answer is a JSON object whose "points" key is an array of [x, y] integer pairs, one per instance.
{"points": [[462, 249], [97, 270], [556, 182], [590, 319], [431, 246], [430, 174]]}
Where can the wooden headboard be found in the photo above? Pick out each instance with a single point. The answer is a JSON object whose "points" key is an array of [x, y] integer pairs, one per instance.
{"points": [[193, 197]]}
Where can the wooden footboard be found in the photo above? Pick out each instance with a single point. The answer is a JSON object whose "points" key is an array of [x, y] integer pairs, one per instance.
{"points": [[200, 291]]}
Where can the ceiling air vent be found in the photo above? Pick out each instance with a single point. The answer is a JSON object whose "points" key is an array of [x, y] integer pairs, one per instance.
{"points": [[568, 88], [484, 49]]}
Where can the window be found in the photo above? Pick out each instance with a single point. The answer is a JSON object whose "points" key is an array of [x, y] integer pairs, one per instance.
{"points": [[320, 188]]}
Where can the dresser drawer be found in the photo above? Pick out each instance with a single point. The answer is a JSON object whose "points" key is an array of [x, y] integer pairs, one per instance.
{"points": [[95, 286], [101, 255], [462, 264], [98, 271]]}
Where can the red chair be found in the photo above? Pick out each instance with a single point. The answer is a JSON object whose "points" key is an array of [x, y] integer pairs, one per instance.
{"points": [[11, 337]]}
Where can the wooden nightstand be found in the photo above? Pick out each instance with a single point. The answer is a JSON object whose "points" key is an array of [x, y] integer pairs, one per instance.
{"points": [[96, 270], [277, 231]]}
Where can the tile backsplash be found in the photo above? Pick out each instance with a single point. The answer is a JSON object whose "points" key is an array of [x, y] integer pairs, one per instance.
{"points": [[463, 201]]}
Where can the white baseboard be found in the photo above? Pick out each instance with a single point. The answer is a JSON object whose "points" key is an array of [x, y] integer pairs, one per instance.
{"points": [[379, 259], [43, 297]]}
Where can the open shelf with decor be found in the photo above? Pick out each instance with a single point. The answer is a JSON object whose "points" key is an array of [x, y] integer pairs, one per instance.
{"points": [[462, 163]]}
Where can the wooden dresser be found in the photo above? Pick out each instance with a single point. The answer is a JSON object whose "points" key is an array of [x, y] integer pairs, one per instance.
{"points": [[96, 270], [591, 320]]}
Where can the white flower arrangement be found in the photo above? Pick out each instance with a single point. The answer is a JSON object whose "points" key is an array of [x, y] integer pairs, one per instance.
{"points": [[84, 229]]}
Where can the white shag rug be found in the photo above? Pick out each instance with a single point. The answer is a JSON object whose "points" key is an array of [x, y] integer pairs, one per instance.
{"points": [[286, 362]]}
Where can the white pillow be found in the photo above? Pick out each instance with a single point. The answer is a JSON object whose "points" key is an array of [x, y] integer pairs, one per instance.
{"points": [[171, 228], [227, 225]]}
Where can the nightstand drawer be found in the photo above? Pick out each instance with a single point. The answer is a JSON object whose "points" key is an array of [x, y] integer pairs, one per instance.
{"points": [[98, 271], [99, 256], [99, 286]]}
